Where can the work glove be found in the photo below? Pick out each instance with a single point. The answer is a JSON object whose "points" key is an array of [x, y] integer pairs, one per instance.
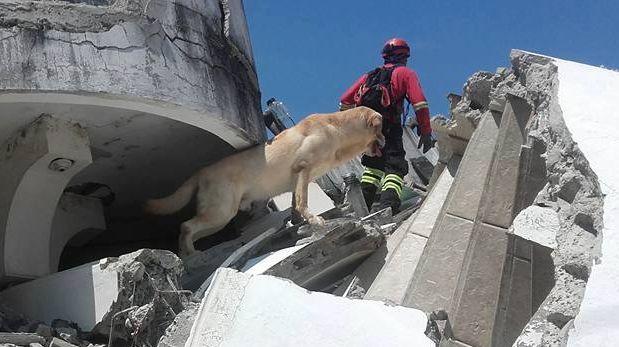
{"points": [[426, 141]]}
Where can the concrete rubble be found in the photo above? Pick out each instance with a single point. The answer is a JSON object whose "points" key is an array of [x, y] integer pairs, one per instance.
{"points": [[498, 253], [132, 298]]}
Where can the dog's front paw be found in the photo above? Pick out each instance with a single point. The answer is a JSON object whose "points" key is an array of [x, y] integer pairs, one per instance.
{"points": [[316, 220]]}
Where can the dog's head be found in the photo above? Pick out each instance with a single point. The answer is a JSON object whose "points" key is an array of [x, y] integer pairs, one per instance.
{"points": [[374, 123]]}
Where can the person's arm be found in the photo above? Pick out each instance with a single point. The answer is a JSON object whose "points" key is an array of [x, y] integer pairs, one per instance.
{"points": [[414, 94], [347, 101]]}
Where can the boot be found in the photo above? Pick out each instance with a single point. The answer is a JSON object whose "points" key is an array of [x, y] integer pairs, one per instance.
{"points": [[369, 193], [388, 198]]}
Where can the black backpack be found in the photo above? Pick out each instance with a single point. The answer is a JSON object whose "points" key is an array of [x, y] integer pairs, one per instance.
{"points": [[376, 92]]}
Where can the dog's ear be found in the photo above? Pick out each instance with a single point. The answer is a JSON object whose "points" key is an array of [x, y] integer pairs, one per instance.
{"points": [[374, 119]]}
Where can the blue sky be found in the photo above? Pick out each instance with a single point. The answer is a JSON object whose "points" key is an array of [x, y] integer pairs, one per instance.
{"points": [[308, 52]]}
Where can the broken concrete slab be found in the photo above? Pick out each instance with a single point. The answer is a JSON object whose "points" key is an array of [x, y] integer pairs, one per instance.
{"points": [[177, 333], [21, 338], [56, 342], [259, 265], [244, 310], [435, 276], [199, 266], [118, 288], [241, 255], [329, 254]]}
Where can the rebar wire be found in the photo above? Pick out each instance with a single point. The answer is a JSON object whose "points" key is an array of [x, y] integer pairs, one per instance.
{"points": [[152, 283], [109, 343]]}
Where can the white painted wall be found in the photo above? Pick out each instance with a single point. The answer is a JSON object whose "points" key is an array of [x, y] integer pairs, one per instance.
{"points": [[243, 310], [82, 295], [589, 99]]}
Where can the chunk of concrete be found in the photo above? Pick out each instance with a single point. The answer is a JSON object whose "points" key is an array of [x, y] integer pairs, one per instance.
{"points": [[99, 295], [21, 338], [537, 224], [329, 254], [177, 333], [244, 310], [56, 342], [199, 266], [58, 296]]}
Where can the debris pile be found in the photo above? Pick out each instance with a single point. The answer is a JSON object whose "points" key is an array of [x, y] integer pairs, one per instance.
{"points": [[129, 299]]}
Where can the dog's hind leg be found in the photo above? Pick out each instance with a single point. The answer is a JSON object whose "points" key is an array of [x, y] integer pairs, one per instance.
{"points": [[198, 227], [210, 218]]}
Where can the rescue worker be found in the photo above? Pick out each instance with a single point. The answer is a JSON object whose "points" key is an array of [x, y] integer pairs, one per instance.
{"points": [[384, 90], [272, 121]]}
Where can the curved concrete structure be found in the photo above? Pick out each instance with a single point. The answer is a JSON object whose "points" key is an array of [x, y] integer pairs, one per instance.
{"points": [[160, 88]]}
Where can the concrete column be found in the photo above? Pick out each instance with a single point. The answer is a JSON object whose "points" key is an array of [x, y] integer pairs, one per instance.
{"points": [[463, 267], [437, 272], [395, 276], [37, 163], [476, 298], [75, 214]]}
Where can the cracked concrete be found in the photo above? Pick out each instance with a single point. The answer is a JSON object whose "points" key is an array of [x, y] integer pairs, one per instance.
{"points": [[172, 52]]}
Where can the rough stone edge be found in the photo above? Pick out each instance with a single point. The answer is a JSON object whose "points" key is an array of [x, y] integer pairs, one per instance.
{"points": [[550, 324]]}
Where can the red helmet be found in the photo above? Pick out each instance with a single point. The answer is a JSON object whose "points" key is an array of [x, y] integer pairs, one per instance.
{"points": [[396, 46]]}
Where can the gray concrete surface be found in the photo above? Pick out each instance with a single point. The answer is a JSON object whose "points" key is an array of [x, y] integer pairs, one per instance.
{"points": [[331, 253], [437, 272]]}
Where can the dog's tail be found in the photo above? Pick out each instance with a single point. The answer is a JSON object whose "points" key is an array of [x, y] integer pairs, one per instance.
{"points": [[174, 202]]}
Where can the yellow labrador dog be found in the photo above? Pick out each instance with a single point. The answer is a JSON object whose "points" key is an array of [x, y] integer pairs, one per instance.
{"points": [[289, 162]]}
